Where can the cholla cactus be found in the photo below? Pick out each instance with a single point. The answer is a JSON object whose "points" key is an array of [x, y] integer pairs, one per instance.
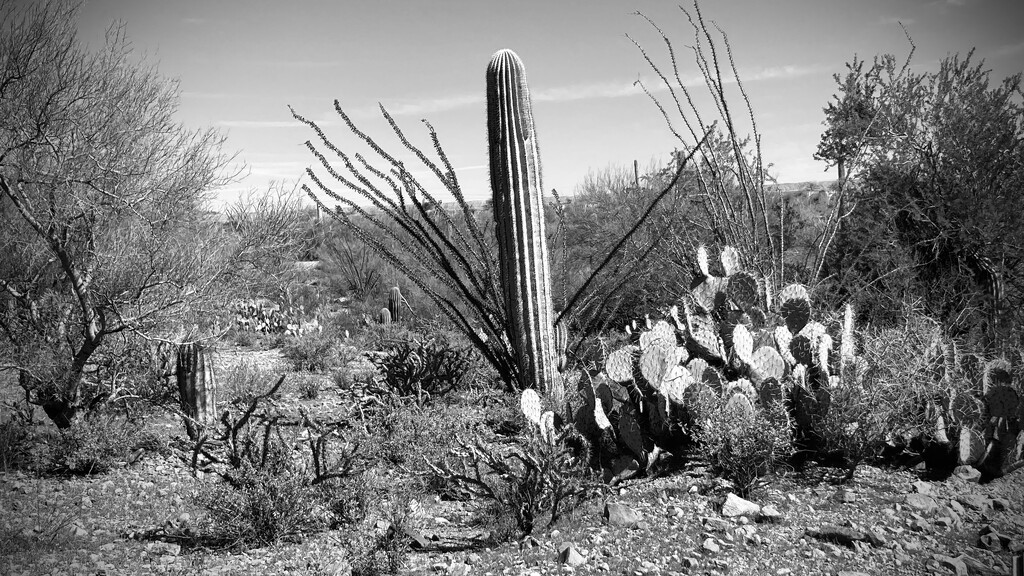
{"points": [[519, 222]]}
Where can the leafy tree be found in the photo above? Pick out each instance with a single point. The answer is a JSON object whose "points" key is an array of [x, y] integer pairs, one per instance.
{"points": [[104, 233], [938, 199]]}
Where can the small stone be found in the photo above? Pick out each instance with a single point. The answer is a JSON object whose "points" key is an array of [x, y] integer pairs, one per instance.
{"points": [[689, 562], [974, 501], [846, 496], [715, 524], [617, 514], [837, 534], [1000, 504], [441, 521], [458, 569], [417, 540], [736, 506], [922, 487], [711, 546], [570, 556], [921, 503], [472, 559], [968, 474], [957, 565], [770, 513]]}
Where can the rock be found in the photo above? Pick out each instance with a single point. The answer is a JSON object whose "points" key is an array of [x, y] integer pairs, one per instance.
{"points": [[458, 569], [922, 487], [957, 565], [472, 559], [710, 546], [569, 555], [1000, 504], [921, 503], [715, 524], [846, 496], [968, 474], [690, 563], [991, 540], [974, 501], [617, 514], [852, 573], [770, 513], [736, 506], [417, 540], [875, 537], [837, 534]]}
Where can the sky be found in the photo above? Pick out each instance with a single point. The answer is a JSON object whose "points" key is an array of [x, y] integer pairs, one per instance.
{"points": [[241, 63]]}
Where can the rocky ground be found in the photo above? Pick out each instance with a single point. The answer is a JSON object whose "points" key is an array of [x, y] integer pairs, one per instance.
{"points": [[132, 520]]}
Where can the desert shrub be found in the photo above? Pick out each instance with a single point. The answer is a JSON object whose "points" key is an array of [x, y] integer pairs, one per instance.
{"points": [[243, 381], [97, 444], [317, 353], [387, 551], [309, 388], [278, 484], [743, 447], [16, 446], [265, 499], [424, 369], [888, 400], [539, 476]]}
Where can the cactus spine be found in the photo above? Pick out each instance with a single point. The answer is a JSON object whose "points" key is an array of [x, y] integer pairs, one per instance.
{"points": [[197, 388], [519, 221], [395, 304]]}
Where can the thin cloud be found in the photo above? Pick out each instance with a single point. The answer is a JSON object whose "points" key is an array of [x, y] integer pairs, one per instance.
{"points": [[1008, 50], [894, 21], [434, 105], [307, 64], [259, 123]]}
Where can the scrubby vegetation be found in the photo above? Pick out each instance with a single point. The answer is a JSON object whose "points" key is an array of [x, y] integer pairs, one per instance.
{"points": [[421, 358]]}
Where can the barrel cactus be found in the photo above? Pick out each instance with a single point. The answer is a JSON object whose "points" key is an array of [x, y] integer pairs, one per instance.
{"points": [[517, 190]]}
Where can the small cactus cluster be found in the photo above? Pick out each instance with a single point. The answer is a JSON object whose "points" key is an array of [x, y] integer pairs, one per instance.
{"points": [[265, 317], [726, 338], [985, 422], [394, 311]]}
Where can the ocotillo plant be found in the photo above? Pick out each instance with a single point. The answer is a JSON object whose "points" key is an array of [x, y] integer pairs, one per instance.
{"points": [[519, 220], [395, 302], [197, 388]]}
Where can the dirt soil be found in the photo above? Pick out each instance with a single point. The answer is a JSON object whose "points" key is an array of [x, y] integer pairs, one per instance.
{"points": [[883, 522]]}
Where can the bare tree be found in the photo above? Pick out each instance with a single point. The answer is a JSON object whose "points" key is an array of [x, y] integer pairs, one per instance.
{"points": [[101, 197]]}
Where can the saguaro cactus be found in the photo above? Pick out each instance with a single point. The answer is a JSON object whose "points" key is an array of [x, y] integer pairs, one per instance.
{"points": [[395, 304], [519, 221], [197, 388]]}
